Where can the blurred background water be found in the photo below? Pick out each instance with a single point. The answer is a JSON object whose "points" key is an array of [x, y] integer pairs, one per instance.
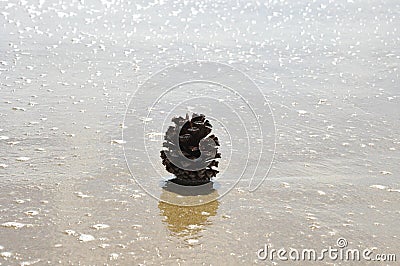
{"points": [[329, 70]]}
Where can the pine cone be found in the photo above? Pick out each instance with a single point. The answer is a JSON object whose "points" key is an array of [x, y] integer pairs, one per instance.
{"points": [[199, 149]]}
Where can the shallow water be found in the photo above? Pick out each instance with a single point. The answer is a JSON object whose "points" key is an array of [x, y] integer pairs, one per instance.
{"points": [[328, 69]]}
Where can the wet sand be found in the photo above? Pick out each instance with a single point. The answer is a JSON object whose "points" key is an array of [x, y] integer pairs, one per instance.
{"points": [[68, 71], [296, 213]]}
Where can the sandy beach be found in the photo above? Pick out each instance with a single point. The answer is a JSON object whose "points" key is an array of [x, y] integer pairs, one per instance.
{"points": [[74, 191]]}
